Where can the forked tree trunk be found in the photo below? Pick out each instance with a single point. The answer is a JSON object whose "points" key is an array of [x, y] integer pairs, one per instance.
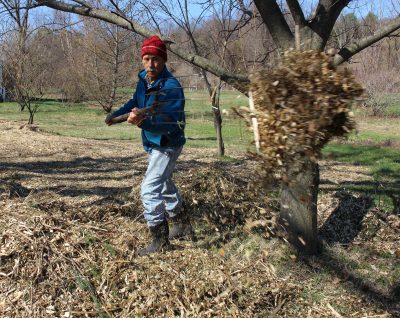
{"points": [[218, 130], [30, 121], [299, 206]]}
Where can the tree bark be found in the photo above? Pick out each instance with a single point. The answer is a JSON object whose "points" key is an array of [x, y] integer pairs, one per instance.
{"points": [[218, 119], [273, 17], [326, 14], [297, 12], [299, 206], [30, 121]]}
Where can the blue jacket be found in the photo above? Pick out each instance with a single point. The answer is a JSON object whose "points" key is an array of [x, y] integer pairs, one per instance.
{"points": [[164, 126]]}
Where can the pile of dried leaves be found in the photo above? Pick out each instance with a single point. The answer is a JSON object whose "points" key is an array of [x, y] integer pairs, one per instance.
{"points": [[300, 106]]}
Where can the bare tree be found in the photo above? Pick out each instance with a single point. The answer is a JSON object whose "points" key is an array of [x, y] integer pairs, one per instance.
{"points": [[107, 62], [226, 22], [24, 64], [298, 201]]}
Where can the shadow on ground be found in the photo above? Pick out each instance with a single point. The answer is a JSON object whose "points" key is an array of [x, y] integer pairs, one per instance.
{"points": [[388, 300], [66, 176], [345, 222], [342, 227]]}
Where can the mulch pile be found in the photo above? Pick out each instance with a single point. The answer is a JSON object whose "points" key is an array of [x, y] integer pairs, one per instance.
{"points": [[66, 256], [75, 257]]}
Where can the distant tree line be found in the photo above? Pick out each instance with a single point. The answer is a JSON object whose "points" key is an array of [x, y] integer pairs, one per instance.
{"points": [[90, 60]]}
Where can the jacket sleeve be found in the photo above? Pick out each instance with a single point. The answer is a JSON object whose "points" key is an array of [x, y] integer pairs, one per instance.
{"points": [[169, 116], [127, 107]]}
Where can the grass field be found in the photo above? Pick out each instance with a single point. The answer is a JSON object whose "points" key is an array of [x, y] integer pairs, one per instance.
{"points": [[85, 121], [376, 144]]}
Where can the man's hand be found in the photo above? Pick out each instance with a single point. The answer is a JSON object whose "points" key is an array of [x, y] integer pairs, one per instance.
{"points": [[109, 120], [136, 116]]}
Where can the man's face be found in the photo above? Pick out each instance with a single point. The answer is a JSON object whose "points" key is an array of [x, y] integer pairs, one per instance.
{"points": [[153, 64]]}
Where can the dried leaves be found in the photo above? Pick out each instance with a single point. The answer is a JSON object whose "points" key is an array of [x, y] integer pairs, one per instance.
{"points": [[227, 198], [300, 106], [64, 257]]}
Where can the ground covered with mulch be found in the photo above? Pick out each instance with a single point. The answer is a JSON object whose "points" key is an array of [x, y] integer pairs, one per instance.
{"points": [[71, 223]]}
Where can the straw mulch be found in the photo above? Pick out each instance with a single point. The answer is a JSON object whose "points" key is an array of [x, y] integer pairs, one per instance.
{"points": [[70, 257]]}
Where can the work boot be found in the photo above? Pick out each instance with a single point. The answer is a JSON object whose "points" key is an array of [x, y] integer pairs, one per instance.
{"points": [[181, 227], [160, 242]]}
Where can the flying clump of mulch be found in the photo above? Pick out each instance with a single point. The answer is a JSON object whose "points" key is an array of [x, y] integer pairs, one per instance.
{"points": [[299, 107]]}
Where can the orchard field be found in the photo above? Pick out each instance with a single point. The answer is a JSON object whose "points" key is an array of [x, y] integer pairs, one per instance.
{"points": [[71, 222]]}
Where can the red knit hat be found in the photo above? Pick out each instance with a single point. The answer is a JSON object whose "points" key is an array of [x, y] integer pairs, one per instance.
{"points": [[154, 46]]}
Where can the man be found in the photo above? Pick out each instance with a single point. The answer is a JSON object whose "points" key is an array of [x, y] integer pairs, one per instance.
{"points": [[157, 107]]}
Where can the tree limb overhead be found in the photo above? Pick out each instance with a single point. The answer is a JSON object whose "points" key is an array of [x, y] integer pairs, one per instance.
{"points": [[238, 81], [297, 12], [276, 23], [326, 14], [353, 48]]}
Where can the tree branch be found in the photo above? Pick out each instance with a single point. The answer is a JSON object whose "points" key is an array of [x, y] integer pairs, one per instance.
{"points": [[325, 18], [84, 3], [245, 10], [353, 48], [276, 23], [239, 81], [297, 12]]}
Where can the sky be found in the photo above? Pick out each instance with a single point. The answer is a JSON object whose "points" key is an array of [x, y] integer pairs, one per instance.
{"points": [[382, 8]]}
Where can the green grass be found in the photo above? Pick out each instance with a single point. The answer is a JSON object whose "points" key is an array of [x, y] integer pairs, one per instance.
{"points": [[392, 100], [78, 120], [378, 130], [383, 164]]}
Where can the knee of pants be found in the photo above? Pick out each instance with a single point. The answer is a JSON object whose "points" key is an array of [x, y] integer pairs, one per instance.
{"points": [[151, 190]]}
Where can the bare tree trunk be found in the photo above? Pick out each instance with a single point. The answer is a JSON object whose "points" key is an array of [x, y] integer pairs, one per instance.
{"points": [[215, 107], [116, 63], [214, 95], [215, 98], [299, 206], [30, 121]]}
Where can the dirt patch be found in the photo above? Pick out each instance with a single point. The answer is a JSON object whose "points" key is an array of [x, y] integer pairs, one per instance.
{"points": [[336, 173]]}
